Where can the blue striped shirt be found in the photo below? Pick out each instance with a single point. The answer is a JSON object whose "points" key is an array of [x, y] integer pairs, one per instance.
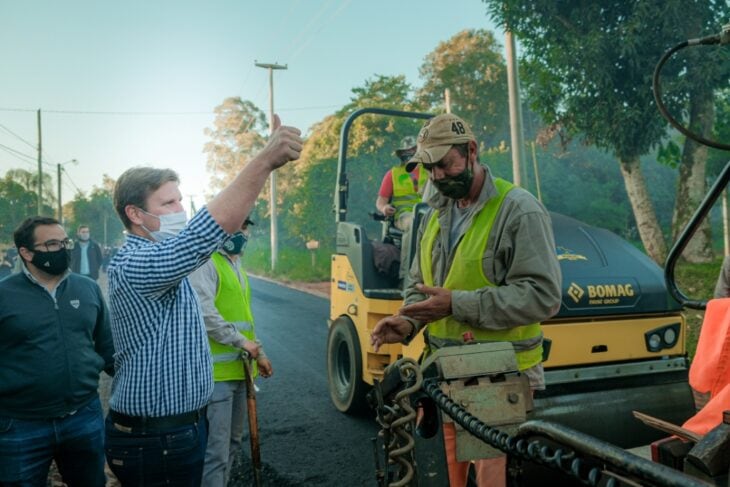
{"points": [[162, 359]]}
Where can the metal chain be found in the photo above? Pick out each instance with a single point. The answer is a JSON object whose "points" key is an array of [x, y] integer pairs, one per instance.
{"points": [[397, 421]]}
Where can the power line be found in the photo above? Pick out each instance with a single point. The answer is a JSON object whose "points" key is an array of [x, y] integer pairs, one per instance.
{"points": [[16, 153], [301, 45], [30, 144]]}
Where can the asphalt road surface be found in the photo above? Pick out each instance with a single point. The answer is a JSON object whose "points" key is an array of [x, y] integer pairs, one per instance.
{"points": [[304, 439]]}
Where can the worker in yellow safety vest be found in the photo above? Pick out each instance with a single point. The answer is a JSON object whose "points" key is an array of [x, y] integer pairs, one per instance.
{"points": [[485, 268], [225, 298], [400, 190]]}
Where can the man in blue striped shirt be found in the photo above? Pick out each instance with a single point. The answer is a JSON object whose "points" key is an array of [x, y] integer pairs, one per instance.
{"points": [[155, 432]]}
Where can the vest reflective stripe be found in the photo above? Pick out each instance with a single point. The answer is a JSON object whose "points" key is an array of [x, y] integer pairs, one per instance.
{"points": [[405, 195], [467, 273], [233, 304]]}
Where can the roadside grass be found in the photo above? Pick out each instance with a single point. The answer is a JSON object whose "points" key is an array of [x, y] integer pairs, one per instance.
{"points": [[292, 264], [696, 281]]}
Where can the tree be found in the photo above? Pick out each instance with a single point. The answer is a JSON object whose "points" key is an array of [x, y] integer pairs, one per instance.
{"points": [[588, 68], [471, 66], [701, 70], [16, 204], [236, 136], [29, 181]]}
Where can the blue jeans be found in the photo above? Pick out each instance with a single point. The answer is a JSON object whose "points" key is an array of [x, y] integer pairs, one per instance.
{"points": [[75, 441], [169, 457]]}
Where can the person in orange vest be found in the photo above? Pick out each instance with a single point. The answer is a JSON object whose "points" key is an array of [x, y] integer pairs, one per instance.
{"points": [[485, 267], [401, 190]]}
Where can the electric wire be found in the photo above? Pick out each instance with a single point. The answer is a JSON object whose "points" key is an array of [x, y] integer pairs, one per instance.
{"points": [[28, 143]]}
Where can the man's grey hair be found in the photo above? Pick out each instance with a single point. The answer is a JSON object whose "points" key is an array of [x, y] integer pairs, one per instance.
{"points": [[135, 185]]}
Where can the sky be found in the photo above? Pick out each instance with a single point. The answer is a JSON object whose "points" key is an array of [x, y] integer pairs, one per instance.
{"points": [[123, 84]]}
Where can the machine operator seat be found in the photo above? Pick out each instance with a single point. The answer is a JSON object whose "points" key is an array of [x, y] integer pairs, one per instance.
{"points": [[353, 242]]}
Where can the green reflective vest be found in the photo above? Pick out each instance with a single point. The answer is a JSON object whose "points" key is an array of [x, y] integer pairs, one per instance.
{"points": [[467, 274], [234, 305], [405, 195]]}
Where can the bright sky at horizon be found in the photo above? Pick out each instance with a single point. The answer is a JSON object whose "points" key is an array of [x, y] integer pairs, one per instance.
{"points": [[135, 83]]}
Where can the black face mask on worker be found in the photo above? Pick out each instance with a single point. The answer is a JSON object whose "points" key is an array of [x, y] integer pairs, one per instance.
{"points": [[455, 187], [55, 262]]}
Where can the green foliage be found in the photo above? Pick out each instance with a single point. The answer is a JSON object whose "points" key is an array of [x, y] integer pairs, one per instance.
{"points": [[697, 281], [717, 159], [309, 199], [16, 204], [29, 181], [471, 66], [293, 263], [669, 154], [588, 66], [236, 136]]}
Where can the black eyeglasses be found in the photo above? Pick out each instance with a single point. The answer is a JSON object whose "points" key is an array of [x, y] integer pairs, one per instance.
{"points": [[55, 245]]}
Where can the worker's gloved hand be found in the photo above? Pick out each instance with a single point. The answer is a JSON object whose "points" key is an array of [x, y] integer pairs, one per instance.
{"points": [[252, 348]]}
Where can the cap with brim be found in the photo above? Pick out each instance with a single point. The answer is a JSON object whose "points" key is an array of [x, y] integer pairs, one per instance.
{"points": [[429, 156], [436, 138], [406, 152]]}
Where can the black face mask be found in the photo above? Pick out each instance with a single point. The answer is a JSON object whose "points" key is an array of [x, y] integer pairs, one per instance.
{"points": [[455, 187], [235, 244], [54, 263]]}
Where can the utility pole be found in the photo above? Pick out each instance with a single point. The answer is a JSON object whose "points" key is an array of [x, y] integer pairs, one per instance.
{"points": [[59, 167], [447, 100], [40, 167], [60, 206], [515, 108], [272, 179]]}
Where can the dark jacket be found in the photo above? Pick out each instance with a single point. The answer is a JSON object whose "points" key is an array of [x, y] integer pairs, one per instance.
{"points": [[51, 350], [95, 258]]}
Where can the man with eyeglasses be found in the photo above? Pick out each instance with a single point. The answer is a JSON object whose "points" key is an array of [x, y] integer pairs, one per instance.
{"points": [[225, 299], [485, 268], [55, 339]]}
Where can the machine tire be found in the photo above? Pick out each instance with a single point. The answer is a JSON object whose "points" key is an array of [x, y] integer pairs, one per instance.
{"points": [[344, 368]]}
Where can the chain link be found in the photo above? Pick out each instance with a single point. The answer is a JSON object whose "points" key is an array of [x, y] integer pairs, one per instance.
{"points": [[397, 422]]}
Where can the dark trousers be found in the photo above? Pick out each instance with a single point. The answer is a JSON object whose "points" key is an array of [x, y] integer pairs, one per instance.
{"points": [[172, 456]]}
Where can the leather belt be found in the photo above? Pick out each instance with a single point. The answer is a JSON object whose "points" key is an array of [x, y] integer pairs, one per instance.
{"points": [[147, 423]]}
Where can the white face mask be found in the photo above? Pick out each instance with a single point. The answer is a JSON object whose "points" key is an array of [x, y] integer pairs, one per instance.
{"points": [[170, 225]]}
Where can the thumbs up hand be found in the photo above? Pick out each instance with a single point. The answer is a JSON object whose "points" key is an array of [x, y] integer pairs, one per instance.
{"points": [[284, 145]]}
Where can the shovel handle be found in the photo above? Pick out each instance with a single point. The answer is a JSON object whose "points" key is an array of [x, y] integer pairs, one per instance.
{"points": [[253, 425]]}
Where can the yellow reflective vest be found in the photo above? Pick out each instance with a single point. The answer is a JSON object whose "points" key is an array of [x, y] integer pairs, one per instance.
{"points": [[467, 274], [233, 302], [405, 195]]}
